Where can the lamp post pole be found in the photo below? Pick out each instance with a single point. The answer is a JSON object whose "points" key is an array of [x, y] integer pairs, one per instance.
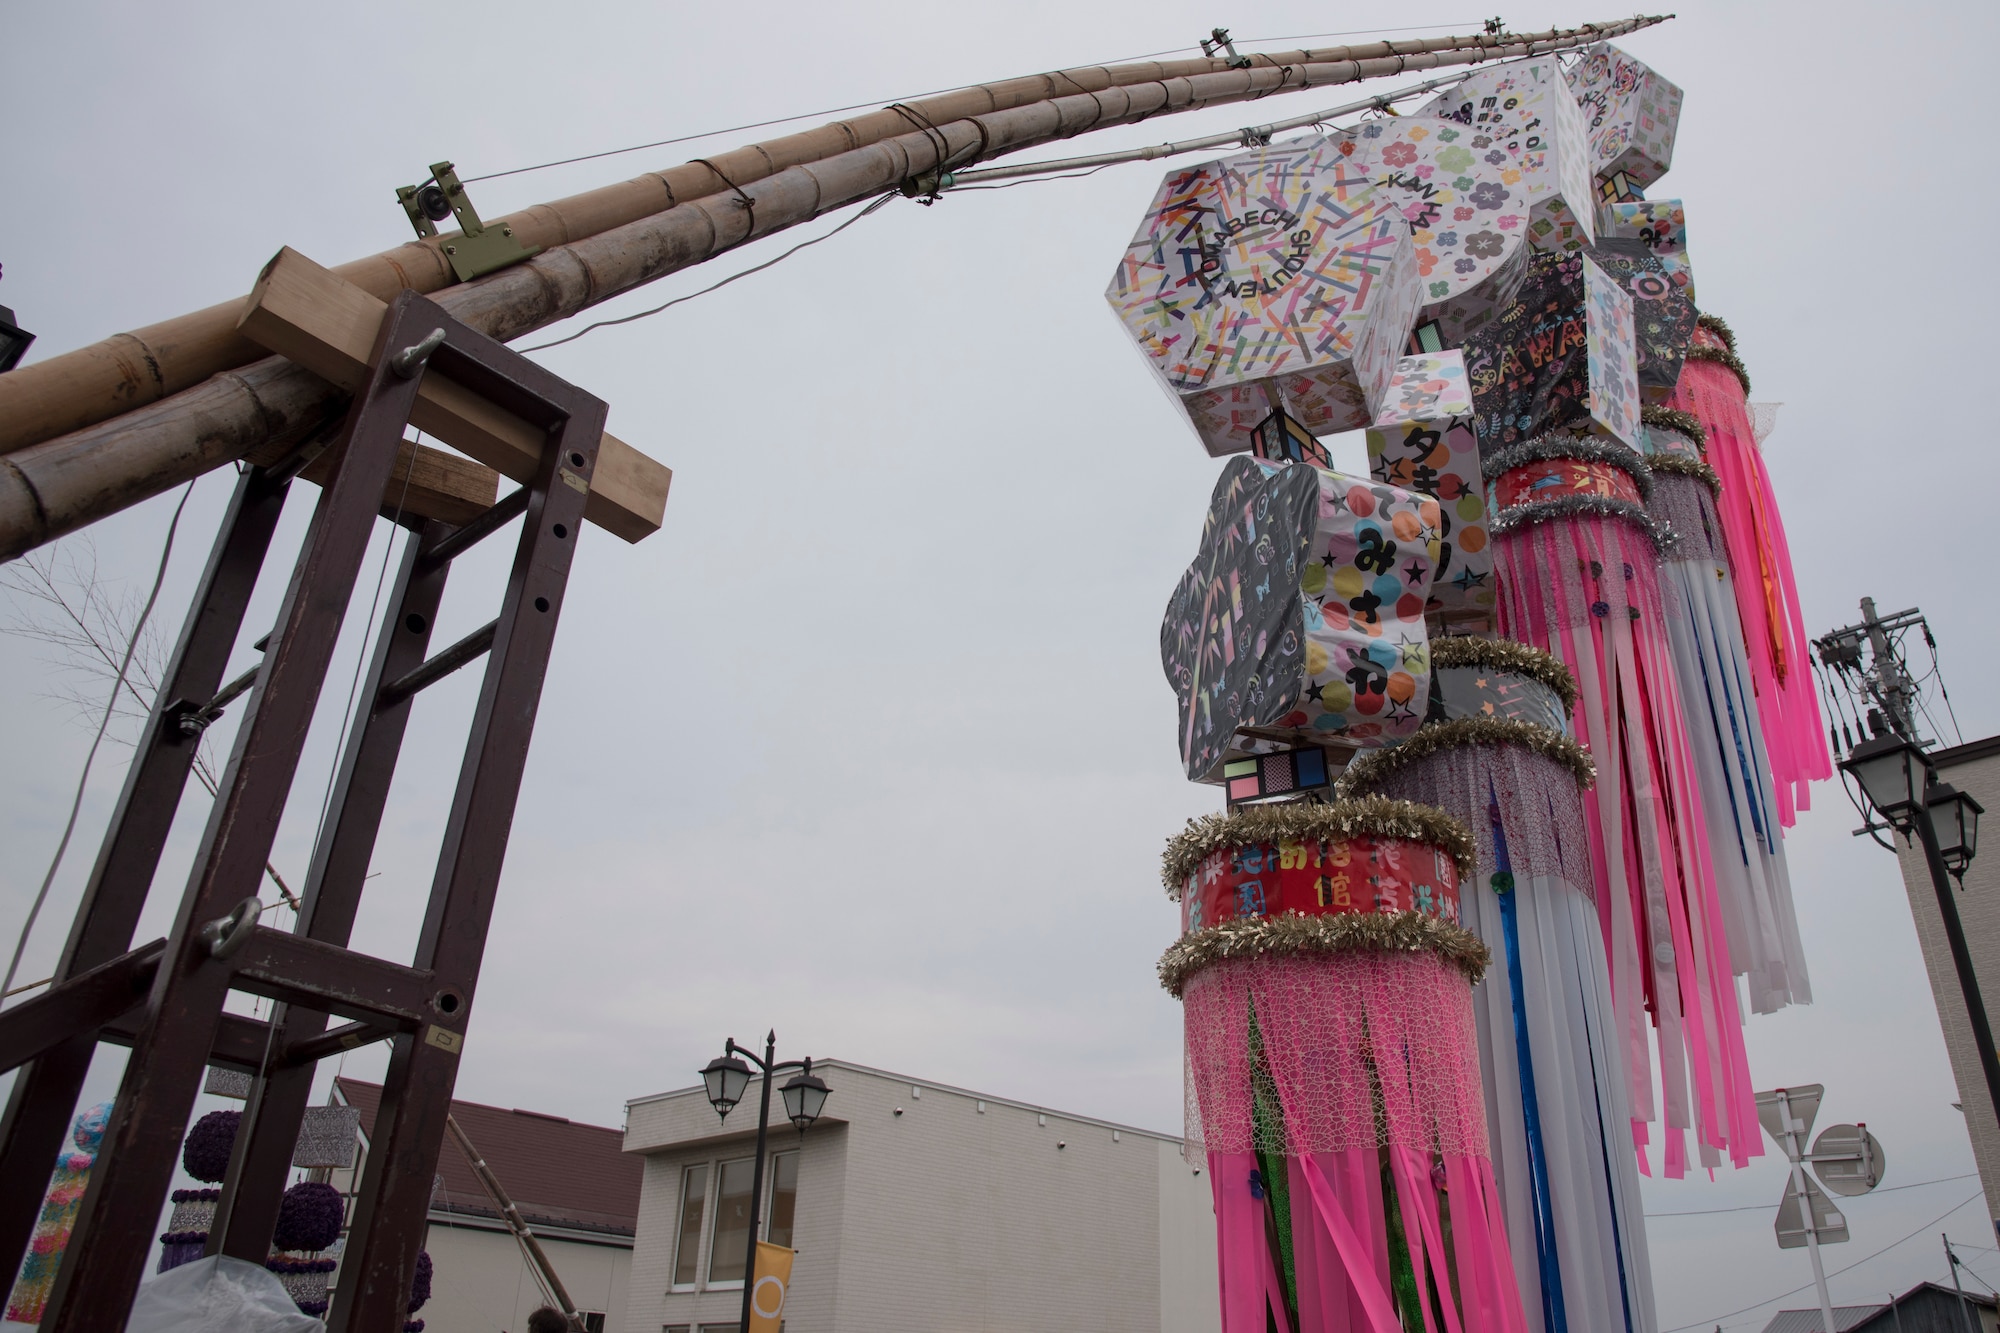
{"points": [[757, 1171], [726, 1079], [1961, 956]]}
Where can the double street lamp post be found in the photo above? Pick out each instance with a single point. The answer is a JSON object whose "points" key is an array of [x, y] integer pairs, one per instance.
{"points": [[1904, 790], [725, 1079]]}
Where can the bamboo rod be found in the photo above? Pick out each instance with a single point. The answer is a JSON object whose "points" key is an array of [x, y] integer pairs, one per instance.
{"points": [[129, 370], [59, 485], [545, 1271], [1244, 138]]}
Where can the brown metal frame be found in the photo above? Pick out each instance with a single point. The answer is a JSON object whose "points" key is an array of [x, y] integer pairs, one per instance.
{"points": [[165, 998]]}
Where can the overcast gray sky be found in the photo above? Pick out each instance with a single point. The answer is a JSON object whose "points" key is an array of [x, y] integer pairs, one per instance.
{"points": [[871, 743]]}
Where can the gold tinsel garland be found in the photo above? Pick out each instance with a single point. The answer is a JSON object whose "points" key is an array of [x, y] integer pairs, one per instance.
{"points": [[1717, 326], [1672, 418], [1468, 650], [1375, 768], [1297, 821], [1679, 465], [1345, 932]]}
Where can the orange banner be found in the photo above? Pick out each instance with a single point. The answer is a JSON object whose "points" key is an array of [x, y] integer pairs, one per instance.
{"points": [[767, 1293]]}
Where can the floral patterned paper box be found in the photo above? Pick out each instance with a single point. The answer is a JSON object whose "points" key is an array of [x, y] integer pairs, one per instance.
{"points": [[1302, 614], [1526, 107], [1471, 194], [1560, 358], [1265, 281], [1632, 114]]}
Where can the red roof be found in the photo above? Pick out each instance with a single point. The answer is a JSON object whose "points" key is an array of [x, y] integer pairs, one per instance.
{"points": [[558, 1173]]}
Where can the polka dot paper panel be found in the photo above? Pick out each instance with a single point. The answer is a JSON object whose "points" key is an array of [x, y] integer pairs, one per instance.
{"points": [[1662, 225], [1276, 278], [1630, 112], [1440, 460], [1426, 387], [1303, 612]]}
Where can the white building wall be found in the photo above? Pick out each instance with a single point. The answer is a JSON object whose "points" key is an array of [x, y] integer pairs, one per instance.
{"points": [[947, 1218], [481, 1282]]}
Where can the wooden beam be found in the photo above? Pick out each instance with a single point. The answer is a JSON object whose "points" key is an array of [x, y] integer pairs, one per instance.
{"points": [[433, 484], [312, 316]]}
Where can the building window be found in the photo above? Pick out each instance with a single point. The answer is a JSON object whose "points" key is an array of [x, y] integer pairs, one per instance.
{"points": [[784, 1198], [593, 1321], [694, 1193], [729, 1246]]}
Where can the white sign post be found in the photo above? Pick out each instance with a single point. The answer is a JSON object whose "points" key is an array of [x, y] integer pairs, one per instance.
{"points": [[1848, 1160]]}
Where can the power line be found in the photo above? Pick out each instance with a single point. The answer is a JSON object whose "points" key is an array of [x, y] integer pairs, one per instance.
{"points": [[1765, 1207], [83, 779], [906, 97], [627, 319], [1716, 1319]]}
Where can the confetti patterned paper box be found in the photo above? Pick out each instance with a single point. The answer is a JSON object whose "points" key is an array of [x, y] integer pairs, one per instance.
{"points": [[1560, 358], [1527, 109], [1252, 285], [1303, 613], [1631, 112], [1662, 225]]}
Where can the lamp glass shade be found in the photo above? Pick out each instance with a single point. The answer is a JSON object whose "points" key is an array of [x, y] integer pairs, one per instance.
{"points": [[725, 1078], [805, 1097], [1892, 775], [1955, 817]]}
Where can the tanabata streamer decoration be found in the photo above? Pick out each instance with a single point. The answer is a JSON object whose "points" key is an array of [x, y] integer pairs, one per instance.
{"points": [[1559, 358], [1713, 388], [1632, 114], [1333, 1071], [1526, 108], [1424, 442], [37, 1277], [1253, 286], [1495, 753], [1726, 734], [1578, 560], [1302, 615]]}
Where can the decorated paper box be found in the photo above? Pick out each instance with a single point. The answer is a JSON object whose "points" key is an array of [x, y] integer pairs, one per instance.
{"points": [[1661, 224], [1302, 616], [1424, 442], [1526, 108], [1252, 287], [1560, 359], [1662, 315], [1632, 114]]}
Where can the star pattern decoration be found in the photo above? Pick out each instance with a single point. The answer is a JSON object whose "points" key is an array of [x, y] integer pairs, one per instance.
{"points": [[1414, 572]]}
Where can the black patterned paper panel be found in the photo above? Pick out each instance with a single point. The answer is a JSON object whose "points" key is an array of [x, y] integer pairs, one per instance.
{"points": [[1662, 315]]}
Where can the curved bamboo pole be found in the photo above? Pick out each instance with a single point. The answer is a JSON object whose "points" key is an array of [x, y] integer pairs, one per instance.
{"points": [[61, 484], [130, 370]]}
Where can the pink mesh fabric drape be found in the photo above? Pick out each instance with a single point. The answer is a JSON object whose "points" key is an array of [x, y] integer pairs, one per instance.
{"points": [[1372, 1062], [1767, 595], [1586, 588]]}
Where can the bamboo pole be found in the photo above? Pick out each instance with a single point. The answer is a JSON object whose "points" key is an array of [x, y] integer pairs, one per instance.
{"points": [[129, 370], [59, 485], [545, 1272]]}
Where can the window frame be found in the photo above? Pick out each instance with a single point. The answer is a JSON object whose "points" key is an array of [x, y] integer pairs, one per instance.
{"points": [[720, 1164], [674, 1284]]}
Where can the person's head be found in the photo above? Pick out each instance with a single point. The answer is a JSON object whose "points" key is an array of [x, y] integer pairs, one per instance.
{"points": [[548, 1319]]}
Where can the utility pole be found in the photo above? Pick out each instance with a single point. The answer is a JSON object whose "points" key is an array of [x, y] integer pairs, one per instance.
{"points": [[1892, 682], [1971, 1324]]}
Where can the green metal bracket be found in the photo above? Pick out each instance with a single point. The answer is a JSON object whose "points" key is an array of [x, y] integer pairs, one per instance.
{"points": [[478, 249]]}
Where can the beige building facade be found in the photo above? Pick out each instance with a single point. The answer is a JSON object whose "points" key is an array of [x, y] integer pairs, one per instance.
{"points": [[920, 1208], [1973, 768]]}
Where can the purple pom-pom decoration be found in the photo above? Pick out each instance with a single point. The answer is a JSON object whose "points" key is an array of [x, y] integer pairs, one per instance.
{"points": [[206, 1155], [420, 1285], [309, 1217]]}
